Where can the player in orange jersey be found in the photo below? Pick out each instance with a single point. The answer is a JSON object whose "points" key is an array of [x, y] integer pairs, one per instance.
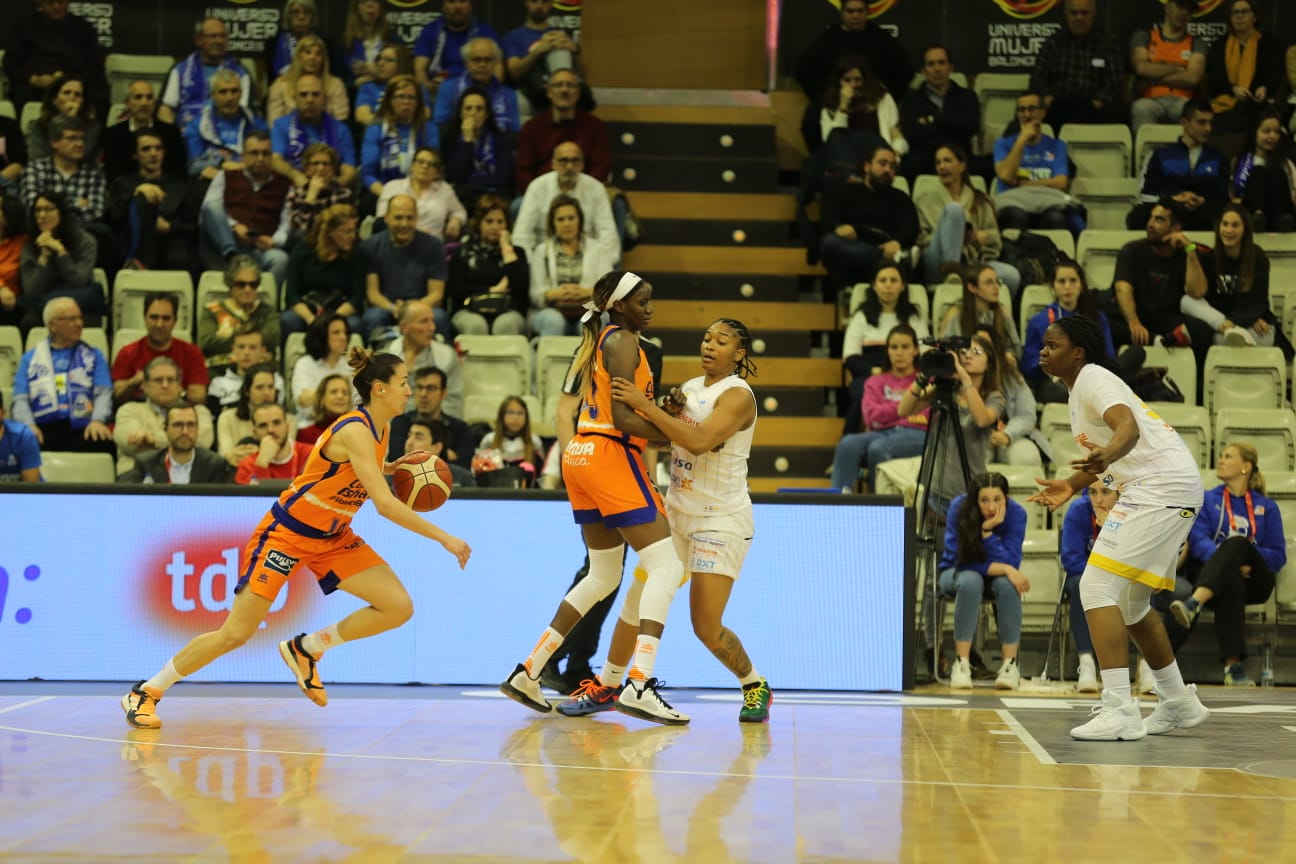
{"points": [[310, 524], [614, 501]]}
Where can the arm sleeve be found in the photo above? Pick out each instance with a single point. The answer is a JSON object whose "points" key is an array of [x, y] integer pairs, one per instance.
{"points": [[1009, 536], [879, 411], [1074, 542], [1271, 543], [1031, 349], [949, 557], [370, 157], [1201, 537], [1021, 419]]}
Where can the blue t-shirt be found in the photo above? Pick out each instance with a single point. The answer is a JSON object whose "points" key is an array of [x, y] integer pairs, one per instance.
{"points": [[450, 42], [281, 139], [19, 451], [518, 41], [1041, 161]]}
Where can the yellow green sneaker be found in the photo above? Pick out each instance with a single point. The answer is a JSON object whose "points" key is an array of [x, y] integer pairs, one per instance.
{"points": [[756, 701]]}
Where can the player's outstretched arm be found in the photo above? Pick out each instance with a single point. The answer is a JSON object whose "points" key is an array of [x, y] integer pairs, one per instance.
{"points": [[353, 443]]}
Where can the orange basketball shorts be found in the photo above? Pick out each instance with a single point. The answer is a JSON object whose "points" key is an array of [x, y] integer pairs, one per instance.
{"points": [[607, 482], [275, 551]]}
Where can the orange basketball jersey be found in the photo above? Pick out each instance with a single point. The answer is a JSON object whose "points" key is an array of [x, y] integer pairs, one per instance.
{"points": [[325, 496], [596, 411]]}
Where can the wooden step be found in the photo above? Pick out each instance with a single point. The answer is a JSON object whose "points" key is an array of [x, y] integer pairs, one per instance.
{"points": [[794, 461], [695, 174], [774, 371], [774, 484], [714, 205], [790, 343], [740, 233], [698, 314], [711, 115], [796, 431], [690, 139], [723, 286], [714, 259]]}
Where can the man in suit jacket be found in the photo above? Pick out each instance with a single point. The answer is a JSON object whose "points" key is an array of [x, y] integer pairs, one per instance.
{"points": [[183, 461]]}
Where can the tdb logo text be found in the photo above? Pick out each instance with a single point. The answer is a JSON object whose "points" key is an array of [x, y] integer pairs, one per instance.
{"points": [[212, 587]]}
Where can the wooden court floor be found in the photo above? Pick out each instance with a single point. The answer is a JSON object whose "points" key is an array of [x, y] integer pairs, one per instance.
{"points": [[258, 774]]}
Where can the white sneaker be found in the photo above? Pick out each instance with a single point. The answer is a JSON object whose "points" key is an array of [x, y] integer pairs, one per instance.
{"points": [[1088, 680], [1009, 676], [641, 699], [1182, 713], [521, 687], [1238, 337], [1144, 680], [961, 674], [1114, 719]]}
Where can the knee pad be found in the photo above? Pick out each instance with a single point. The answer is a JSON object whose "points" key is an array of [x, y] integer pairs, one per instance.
{"points": [[602, 579], [630, 605], [664, 575]]}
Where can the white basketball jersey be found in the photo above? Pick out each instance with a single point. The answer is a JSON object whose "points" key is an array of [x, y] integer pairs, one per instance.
{"points": [[1160, 469], [714, 483]]}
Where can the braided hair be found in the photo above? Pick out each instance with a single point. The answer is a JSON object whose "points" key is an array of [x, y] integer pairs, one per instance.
{"points": [[1084, 334], [745, 366]]}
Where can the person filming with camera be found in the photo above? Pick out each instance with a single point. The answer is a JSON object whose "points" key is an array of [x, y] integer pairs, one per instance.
{"points": [[970, 370]]}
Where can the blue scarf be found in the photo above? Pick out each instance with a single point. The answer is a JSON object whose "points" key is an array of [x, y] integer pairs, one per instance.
{"points": [[42, 389], [435, 63], [485, 169], [193, 86], [396, 147], [1242, 174], [281, 58], [300, 136]]}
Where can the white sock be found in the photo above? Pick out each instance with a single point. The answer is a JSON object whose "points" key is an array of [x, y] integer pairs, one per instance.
{"points": [[752, 677], [322, 640], [165, 677], [1116, 682], [612, 675], [1170, 683], [550, 641], [645, 657]]}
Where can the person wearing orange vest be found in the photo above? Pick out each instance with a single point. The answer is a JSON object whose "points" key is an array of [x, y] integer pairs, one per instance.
{"points": [[1169, 62]]}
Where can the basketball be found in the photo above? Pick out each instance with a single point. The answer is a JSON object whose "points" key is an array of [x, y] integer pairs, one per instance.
{"points": [[423, 486]]}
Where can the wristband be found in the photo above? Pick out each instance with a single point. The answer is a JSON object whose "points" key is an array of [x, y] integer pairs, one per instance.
{"points": [[1191, 247]]}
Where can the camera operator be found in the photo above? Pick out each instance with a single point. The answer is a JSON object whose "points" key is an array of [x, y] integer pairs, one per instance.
{"points": [[969, 372]]}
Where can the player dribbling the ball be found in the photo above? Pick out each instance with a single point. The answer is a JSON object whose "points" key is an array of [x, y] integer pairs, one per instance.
{"points": [[310, 524]]}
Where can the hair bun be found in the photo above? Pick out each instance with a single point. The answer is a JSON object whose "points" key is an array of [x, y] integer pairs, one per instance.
{"points": [[358, 358]]}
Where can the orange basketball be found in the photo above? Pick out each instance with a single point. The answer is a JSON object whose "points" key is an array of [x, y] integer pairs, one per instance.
{"points": [[423, 486]]}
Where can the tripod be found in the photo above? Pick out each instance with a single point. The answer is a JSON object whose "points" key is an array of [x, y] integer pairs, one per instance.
{"points": [[942, 425]]}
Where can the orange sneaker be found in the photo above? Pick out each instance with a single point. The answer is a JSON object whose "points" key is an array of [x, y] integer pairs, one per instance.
{"points": [[140, 705], [304, 669]]}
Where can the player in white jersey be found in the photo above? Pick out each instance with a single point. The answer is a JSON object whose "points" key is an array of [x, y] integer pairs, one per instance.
{"points": [[710, 422], [1134, 450]]}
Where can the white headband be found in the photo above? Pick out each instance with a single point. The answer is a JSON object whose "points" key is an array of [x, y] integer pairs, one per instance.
{"points": [[628, 283]]}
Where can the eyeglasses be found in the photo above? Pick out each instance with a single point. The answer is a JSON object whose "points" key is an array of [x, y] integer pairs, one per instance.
{"points": [[973, 351], [241, 284], [569, 160], [482, 58], [165, 379]]}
